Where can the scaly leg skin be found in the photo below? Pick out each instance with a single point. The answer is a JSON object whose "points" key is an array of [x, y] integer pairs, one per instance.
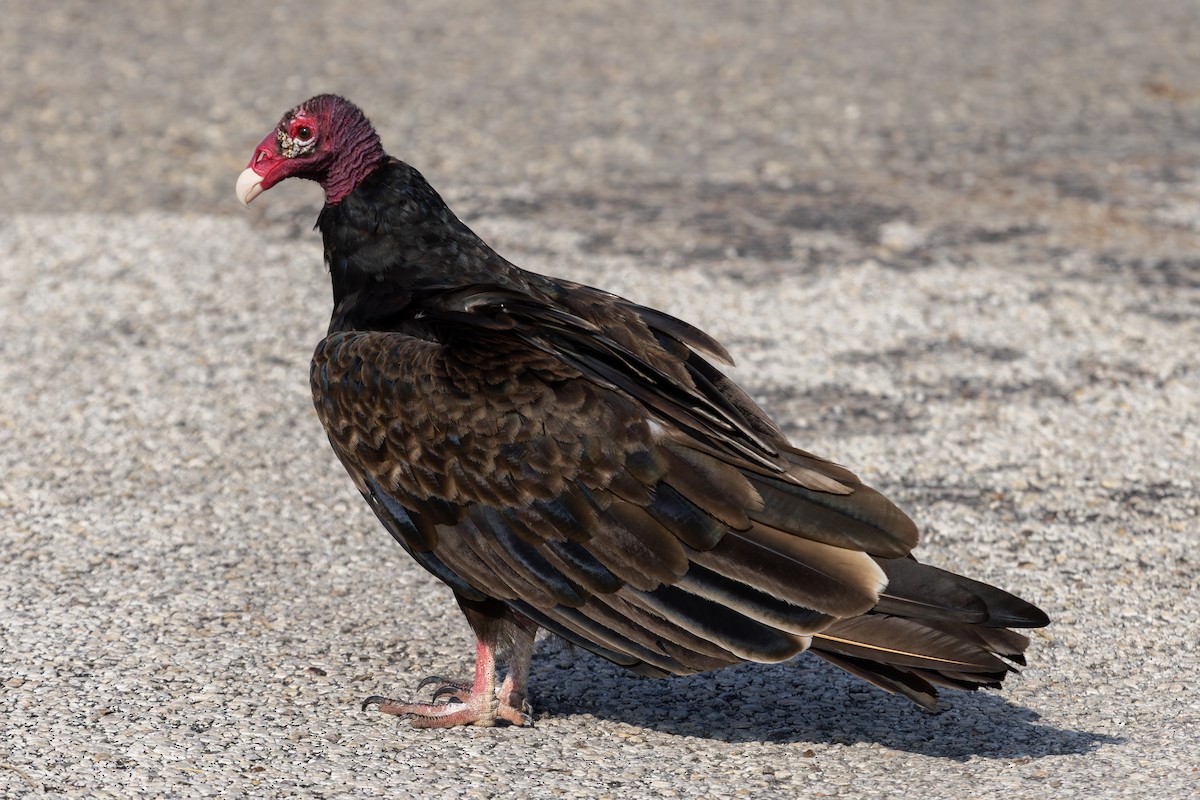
{"points": [[482, 703]]}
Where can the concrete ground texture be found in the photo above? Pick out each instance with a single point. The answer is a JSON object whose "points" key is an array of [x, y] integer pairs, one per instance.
{"points": [[954, 246]]}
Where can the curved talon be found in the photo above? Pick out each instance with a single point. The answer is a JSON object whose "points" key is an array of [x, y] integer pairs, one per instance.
{"points": [[374, 700], [444, 686], [431, 679], [450, 689]]}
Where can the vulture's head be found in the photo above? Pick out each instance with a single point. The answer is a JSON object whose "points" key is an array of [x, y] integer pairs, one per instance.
{"points": [[326, 139]]}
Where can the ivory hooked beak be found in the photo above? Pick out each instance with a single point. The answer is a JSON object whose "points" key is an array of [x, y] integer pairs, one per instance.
{"points": [[249, 186]]}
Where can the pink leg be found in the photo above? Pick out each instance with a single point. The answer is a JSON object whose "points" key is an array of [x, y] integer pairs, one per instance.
{"points": [[482, 703]]}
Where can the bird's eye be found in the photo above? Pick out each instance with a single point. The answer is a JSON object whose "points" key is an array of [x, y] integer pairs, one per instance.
{"points": [[304, 133]]}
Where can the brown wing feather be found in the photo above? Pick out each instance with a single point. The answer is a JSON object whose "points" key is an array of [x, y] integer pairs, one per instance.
{"points": [[628, 499]]}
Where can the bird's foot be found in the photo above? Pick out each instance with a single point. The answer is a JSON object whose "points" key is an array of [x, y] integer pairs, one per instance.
{"points": [[465, 705], [480, 702]]}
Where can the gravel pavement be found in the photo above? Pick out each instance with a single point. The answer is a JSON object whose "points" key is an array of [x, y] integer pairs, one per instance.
{"points": [[954, 246]]}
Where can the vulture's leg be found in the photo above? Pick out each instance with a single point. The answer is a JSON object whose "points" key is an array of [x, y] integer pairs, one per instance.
{"points": [[513, 693], [482, 702]]}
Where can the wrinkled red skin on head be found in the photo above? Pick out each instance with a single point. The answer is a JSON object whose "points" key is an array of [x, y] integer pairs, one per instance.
{"points": [[346, 149]]}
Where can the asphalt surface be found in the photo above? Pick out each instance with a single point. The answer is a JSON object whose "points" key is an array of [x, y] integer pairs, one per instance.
{"points": [[951, 245]]}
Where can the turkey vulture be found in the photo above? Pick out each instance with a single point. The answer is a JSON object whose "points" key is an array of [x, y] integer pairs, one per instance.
{"points": [[566, 459]]}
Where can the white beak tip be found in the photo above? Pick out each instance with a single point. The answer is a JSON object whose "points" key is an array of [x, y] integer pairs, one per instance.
{"points": [[249, 186]]}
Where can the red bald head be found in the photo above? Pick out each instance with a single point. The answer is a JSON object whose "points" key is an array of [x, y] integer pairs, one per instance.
{"points": [[326, 139]]}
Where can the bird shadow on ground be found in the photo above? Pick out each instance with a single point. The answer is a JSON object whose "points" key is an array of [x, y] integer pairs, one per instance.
{"points": [[805, 700]]}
